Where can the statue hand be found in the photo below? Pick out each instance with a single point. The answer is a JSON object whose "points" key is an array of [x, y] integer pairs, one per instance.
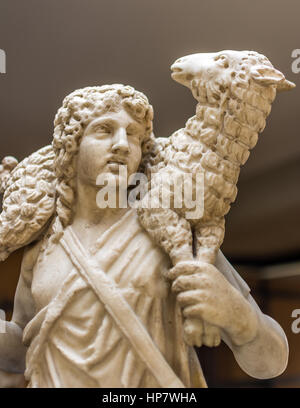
{"points": [[206, 294], [197, 332]]}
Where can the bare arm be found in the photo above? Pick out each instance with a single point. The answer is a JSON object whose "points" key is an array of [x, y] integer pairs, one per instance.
{"points": [[266, 356], [220, 297], [12, 350]]}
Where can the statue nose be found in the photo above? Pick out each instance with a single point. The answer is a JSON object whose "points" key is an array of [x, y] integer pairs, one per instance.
{"points": [[120, 142]]}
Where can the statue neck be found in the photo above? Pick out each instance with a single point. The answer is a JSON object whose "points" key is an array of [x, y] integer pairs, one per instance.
{"points": [[230, 128], [88, 213]]}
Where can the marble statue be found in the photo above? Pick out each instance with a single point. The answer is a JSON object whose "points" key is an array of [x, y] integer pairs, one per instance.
{"points": [[117, 296], [234, 91]]}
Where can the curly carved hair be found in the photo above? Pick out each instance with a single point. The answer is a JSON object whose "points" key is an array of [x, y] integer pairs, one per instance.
{"points": [[78, 110], [44, 183]]}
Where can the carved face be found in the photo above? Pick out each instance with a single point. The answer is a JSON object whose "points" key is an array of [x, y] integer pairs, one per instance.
{"points": [[111, 140]]}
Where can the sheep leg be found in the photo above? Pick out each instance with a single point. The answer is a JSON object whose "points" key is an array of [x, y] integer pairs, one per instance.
{"points": [[169, 231], [208, 238], [196, 332], [173, 233]]}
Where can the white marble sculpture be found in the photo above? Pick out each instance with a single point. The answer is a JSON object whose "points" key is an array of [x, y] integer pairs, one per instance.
{"points": [[234, 91], [103, 292]]}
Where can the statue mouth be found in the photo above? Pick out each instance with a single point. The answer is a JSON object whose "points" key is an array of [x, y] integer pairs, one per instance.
{"points": [[176, 72], [179, 75], [176, 69], [117, 160]]}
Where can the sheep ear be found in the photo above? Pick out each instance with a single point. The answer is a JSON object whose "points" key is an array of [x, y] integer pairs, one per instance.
{"points": [[266, 75], [271, 76], [285, 85]]}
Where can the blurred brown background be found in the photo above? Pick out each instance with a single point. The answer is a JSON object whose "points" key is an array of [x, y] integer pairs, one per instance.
{"points": [[56, 46]]}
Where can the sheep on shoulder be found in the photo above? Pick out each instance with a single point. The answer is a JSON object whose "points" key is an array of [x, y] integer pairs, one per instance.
{"points": [[234, 91], [28, 199]]}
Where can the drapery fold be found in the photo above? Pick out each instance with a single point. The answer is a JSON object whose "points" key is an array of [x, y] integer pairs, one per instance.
{"points": [[74, 342]]}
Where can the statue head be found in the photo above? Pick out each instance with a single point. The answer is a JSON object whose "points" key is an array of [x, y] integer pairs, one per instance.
{"points": [[92, 115], [226, 67], [235, 89], [45, 182]]}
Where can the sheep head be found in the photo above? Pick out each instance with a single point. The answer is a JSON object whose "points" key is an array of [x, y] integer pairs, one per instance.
{"points": [[223, 68]]}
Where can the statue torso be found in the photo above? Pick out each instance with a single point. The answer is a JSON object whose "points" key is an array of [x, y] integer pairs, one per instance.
{"points": [[84, 341]]}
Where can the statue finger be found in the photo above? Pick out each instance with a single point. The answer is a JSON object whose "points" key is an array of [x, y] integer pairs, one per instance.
{"points": [[186, 268], [189, 282], [197, 310], [191, 297], [211, 335], [193, 332]]}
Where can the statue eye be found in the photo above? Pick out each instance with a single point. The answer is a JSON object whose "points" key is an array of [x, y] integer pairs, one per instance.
{"points": [[133, 131], [102, 128]]}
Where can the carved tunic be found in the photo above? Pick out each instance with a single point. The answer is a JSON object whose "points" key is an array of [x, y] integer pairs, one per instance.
{"points": [[74, 342]]}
